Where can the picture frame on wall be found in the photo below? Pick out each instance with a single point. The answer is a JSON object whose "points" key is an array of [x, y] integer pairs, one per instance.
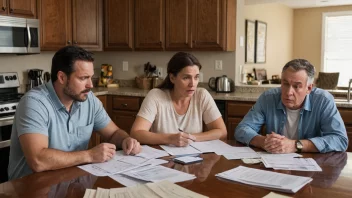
{"points": [[250, 42], [260, 41]]}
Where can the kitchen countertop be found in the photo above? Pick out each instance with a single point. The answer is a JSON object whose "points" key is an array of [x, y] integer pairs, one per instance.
{"points": [[235, 96]]}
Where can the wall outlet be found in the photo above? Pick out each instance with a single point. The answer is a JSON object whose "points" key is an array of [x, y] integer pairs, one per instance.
{"points": [[124, 66], [218, 64]]}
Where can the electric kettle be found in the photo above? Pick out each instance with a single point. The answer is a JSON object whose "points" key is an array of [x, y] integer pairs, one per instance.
{"points": [[222, 84]]}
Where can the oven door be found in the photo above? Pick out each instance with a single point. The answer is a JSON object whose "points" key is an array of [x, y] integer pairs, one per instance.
{"points": [[5, 136]]}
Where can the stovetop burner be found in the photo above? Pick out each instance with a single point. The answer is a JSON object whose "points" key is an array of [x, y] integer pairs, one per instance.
{"points": [[11, 97]]}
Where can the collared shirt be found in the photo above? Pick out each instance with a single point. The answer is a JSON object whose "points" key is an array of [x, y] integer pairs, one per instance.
{"points": [[40, 111], [319, 122]]}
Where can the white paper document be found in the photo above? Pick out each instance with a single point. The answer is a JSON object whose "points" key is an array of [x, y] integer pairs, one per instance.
{"points": [[127, 181], [251, 161], [215, 146], [281, 155], [90, 193], [102, 193], [174, 150], [188, 159], [244, 155], [275, 195], [301, 164], [235, 149], [159, 173], [163, 189], [266, 179], [149, 152], [118, 164], [170, 190]]}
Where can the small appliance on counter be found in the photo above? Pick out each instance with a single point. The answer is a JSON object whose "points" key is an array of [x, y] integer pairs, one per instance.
{"points": [[34, 78], [222, 84]]}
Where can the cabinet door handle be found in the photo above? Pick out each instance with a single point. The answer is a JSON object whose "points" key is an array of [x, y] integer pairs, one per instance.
{"points": [[11, 10], [124, 105], [68, 42], [3, 8], [75, 42]]}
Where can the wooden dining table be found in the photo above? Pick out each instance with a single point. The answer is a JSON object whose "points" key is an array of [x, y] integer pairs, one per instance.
{"points": [[334, 181]]}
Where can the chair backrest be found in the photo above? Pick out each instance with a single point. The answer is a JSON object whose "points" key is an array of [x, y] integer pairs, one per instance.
{"points": [[327, 80]]}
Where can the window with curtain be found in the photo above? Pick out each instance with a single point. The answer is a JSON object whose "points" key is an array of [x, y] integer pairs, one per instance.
{"points": [[337, 45]]}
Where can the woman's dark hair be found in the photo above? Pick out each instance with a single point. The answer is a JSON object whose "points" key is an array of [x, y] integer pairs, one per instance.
{"points": [[65, 58], [179, 61]]}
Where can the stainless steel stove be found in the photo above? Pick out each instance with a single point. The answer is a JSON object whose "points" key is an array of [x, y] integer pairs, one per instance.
{"points": [[9, 99]]}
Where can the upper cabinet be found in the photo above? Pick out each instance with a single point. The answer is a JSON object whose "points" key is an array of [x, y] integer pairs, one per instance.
{"points": [[149, 24], [178, 25], [170, 25], [71, 22], [201, 25], [19, 8], [214, 26], [119, 24]]}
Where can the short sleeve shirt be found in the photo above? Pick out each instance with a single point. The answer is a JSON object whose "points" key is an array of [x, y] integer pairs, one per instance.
{"points": [[158, 109], [41, 111]]}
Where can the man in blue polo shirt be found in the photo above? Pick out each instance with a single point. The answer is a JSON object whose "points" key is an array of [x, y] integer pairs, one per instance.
{"points": [[54, 122], [297, 117]]}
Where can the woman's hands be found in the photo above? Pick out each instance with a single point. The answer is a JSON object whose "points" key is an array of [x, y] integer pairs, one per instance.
{"points": [[181, 139]]}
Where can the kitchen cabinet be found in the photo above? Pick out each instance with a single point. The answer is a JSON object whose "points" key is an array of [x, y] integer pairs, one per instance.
{"points": [[95, 139], [214, 25], [149, 24], [201, 25], [118, 15], [346, 114], [19, 8], [178, 25], [124, 111], [235, 111], [71, 22]]}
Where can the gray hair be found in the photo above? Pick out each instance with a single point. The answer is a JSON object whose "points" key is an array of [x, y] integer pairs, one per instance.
{"points": [[302, 64]]}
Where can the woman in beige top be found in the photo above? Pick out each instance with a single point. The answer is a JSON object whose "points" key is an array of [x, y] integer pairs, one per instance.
{"points": [[174, 112]]}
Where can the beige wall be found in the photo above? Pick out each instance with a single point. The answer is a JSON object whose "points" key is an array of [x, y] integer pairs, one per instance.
{"points": [[20, 63], [308, 32], [279, 46]]}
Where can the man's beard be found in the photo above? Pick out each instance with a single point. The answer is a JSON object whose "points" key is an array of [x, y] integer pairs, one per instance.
{"points": [[76, 97]]}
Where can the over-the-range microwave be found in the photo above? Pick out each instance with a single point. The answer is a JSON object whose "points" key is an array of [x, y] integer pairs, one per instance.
{"points": [[19, 35]]}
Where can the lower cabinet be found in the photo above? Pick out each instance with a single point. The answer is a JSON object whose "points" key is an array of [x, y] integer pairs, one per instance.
{"points": [[346, 114], [231, 125], [235, 111], [124, 119], [124, 111], [95, 138]]}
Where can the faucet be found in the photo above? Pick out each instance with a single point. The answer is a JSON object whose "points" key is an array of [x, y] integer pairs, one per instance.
{"points": [[349, 90]]}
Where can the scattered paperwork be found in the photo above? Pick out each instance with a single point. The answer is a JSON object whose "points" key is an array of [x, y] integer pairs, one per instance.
{"points": [[266, 179], [151, 190]]}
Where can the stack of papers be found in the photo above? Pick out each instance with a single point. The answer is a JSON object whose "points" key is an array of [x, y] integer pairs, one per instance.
{"points": [[239, 153], [266, 179], [159, 173], [152, 190], [121, 163], [151, 153], [300, 164]]}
